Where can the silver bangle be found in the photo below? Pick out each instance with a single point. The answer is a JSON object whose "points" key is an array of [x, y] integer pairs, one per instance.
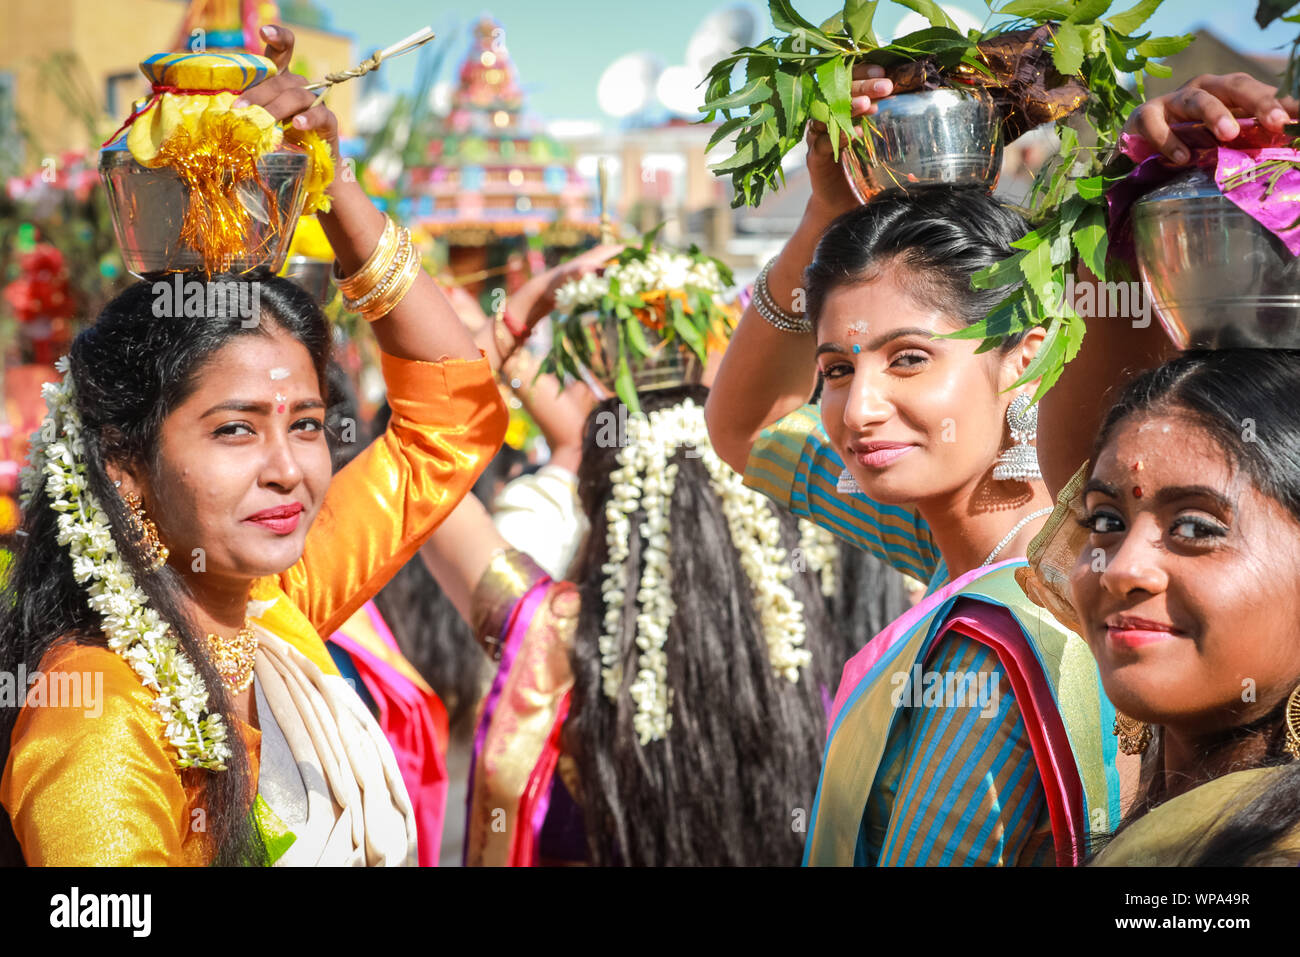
{"points": [[766, 306]]}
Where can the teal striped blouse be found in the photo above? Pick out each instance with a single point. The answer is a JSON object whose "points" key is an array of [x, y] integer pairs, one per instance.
{"points": [[956, 786]]}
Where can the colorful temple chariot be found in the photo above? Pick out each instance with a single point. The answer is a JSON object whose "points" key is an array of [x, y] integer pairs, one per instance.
{"points": [[492, 176]]}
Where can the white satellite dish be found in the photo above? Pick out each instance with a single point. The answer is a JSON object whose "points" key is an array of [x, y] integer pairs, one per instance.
{"points": [[721, 33], [628, 84], [679, 90], [914, 21]]}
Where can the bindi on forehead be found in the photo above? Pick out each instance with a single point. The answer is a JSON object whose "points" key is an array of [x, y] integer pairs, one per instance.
{"points": [[1144, 457]]}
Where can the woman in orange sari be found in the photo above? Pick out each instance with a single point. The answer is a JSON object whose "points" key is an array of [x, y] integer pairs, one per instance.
{"points": [[185, 549]]}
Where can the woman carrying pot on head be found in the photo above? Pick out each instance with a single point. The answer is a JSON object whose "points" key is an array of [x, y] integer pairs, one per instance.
{"points": [[1178, 540], [185, 548], [1191, 609], [664, 705], [970, 731]]}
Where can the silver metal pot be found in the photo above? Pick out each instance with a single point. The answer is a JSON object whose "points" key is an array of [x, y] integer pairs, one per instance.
{"points": [[937, 137], [149, 205], [1217, 278], [313, 275], [669, 364]]}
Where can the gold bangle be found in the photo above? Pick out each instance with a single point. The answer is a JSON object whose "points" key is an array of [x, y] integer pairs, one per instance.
{"points": [[400, 287], [395, 264], [395, 290], [355, 285], [373, 267]]}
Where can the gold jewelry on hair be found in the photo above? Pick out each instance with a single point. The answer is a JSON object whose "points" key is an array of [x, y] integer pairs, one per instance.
{"points": [[235, 657], [1134, 735], [1292, 746], [373, 268], [145, 534]]}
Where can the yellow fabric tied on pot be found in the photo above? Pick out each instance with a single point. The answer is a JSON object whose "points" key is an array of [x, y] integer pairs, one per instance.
{"points": [[200, 116], [309, 241], [194, 91]]}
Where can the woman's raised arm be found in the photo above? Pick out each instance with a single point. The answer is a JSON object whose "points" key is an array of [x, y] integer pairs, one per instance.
{"points": [[767, 373], [423, 325], [1114, 351]]}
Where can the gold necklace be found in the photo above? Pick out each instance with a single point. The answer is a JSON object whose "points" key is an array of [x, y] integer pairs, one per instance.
{"points": [[234, 657]]}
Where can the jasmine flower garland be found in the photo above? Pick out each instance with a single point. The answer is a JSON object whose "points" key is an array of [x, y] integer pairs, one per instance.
{"points": [[645, 480], [132, 628], [821, 551]]}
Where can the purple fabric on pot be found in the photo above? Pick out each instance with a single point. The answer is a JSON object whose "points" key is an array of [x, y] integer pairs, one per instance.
{"points": [[1255, 145]]}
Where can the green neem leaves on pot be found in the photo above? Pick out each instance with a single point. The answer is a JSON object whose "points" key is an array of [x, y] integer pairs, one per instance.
{"points": [[858, 19], [931, 11], [805, 74], [1130, 20], [1067, 204]]}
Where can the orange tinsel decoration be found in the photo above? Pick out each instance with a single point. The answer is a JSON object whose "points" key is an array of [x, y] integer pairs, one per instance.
{"points": [[214, 167]]}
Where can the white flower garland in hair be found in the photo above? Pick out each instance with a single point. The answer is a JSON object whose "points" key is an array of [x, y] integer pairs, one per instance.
{"points": [[132, 628], [644, 479], [662, 269], [821, 550], [756, 533]]}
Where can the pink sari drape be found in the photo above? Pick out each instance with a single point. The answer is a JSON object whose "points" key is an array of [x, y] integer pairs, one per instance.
{"points": [[413, 720]]}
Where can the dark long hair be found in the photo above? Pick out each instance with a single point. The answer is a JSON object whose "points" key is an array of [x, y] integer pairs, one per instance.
{"points": [[941, 235], [1220, 391], [131, 369], [732, 781], [869, 594]]}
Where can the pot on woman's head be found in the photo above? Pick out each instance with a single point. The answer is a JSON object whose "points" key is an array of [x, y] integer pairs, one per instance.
{"points": [[1218, 278], [669, 364], [936, 137], [149, 205]]}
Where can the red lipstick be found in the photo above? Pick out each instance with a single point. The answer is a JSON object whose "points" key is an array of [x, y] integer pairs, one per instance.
{"points": [[281, 520], [878, 455], [1130, 631]]}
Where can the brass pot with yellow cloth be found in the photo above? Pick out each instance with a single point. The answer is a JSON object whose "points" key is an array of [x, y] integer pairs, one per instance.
{"points": [[194, 183], [1054, 551]]}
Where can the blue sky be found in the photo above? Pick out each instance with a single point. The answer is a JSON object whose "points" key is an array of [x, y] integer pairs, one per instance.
{"points": [[561, 46]]}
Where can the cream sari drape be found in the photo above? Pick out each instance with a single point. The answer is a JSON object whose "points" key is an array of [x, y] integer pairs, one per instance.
{"points": [[358, 812]]}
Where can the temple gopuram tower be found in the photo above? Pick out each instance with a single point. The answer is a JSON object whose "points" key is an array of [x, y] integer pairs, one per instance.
{"points": [[493, 177]]}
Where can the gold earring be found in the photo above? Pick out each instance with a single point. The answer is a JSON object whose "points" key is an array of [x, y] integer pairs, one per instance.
{"points": [[146, 534], [1134, 735], [1292, 746]]}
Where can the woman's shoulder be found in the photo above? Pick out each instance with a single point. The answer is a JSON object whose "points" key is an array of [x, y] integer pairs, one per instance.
{"points": [[1164, 835], [90, 777], [77, 679]]}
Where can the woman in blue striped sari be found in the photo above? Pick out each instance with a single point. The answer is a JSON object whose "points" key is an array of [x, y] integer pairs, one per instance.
{"points": [[973, 730]]}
